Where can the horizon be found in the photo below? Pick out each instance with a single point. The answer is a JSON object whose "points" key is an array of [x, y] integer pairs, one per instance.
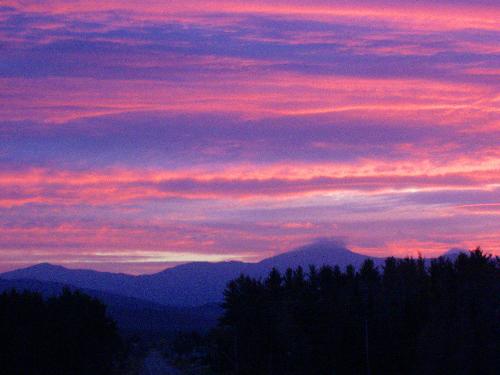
{"points": [[163, 267], [136, 136]]}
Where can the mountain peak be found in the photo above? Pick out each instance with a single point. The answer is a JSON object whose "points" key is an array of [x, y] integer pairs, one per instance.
{"points": [[44, 266], [453, 252], [322, 252], [40, 270], [328, 245]]}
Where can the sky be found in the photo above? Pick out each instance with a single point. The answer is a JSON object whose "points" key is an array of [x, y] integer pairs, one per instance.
{"points": [[137, 135]]}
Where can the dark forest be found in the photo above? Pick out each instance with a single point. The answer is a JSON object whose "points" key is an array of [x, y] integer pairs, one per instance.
{"points": [[407, 318], [65, 335]]}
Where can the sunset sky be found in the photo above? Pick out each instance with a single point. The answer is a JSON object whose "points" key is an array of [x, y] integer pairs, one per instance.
{"points": [[136, 135]]}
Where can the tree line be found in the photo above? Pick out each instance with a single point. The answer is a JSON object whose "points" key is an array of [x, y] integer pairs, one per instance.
{"points": [[65, 335], [409, 317]]}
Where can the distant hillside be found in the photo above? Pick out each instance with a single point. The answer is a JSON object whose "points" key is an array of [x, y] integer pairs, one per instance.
{"points": [[131, 314], [191, 284], [111, 282]]}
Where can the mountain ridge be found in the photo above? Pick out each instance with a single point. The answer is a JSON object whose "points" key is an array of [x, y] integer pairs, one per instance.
{"points": [[194, 283]]}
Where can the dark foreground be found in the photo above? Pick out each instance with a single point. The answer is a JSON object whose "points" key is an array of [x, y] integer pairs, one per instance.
{"points": [[407, 317], [155, 364]]}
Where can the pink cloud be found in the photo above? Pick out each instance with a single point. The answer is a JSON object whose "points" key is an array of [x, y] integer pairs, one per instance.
{"points": [[137, 135]]}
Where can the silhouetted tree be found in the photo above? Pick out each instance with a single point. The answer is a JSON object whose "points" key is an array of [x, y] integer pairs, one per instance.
{"points": [[69, 334], [407, 318]]}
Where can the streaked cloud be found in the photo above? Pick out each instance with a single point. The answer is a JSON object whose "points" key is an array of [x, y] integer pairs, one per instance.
{"points": [[137, 135]]}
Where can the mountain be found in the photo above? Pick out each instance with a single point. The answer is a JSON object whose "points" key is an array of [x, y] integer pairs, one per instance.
{"points": [[191, 284], [112, 282], [319, 253], [453, 253]]}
